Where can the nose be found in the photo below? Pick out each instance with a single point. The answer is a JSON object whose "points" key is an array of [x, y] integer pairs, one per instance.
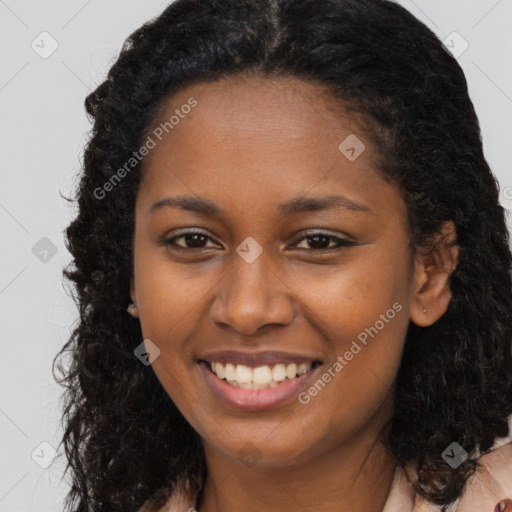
{"points": [[251, 296]]}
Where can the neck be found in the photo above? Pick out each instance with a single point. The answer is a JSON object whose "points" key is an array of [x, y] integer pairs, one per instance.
{"points": [[356, 475]]}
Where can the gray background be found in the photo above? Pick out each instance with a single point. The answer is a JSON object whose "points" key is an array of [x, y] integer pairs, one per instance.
{"points": [[43, 132]]}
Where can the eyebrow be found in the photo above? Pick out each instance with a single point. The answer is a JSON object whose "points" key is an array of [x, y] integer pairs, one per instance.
{"points": [[288, 208]]}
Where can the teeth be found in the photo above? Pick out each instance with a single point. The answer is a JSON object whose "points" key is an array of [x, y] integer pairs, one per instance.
{"points": [[302, 368], [219, 370], [279, 372], [291, 371], [261, 377], [243, 374], [229, 371]]}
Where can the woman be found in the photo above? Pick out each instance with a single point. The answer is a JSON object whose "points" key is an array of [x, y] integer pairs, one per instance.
{"points": [[291, 201]]}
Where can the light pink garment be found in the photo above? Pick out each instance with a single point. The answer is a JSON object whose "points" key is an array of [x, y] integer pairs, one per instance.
{"points": [[489, 485]]}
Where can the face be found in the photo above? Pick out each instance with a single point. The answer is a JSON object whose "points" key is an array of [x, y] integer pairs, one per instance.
{"points": [[261, 244]]}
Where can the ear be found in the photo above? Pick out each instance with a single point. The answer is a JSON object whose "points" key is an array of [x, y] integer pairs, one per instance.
{"points": [[433, 266]]}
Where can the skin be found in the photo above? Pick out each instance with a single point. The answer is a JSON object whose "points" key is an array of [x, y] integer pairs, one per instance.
{"points": [[247, 146]]}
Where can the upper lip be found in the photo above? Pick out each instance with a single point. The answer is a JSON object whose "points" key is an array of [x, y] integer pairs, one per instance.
{"points": [[261, 358]]}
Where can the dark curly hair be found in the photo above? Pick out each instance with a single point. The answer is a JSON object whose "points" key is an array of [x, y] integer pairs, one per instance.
{"points": [[455, 379]]}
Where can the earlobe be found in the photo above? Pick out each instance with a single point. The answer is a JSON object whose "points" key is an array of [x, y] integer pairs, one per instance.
{"points": [[433, 267], [132, 308], [132, 289]]}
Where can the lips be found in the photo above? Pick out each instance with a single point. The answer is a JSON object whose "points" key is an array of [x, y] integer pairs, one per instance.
{"points": [[256, 380]]}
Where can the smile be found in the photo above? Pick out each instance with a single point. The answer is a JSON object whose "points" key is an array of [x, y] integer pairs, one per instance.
{"points": [[260, 377], [260, 386]]}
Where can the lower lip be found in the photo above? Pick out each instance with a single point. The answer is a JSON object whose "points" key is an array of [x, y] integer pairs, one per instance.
{"points": [[254, 399]]}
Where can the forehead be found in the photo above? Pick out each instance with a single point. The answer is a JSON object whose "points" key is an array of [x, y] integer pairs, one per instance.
{"points": [[261, 138], [246, 104]]}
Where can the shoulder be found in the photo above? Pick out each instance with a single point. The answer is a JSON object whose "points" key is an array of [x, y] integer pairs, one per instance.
{"points": [[486, 488], [489, 489], [491, 483]]}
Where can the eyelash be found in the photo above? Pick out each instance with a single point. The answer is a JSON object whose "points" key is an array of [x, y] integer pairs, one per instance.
{"points": [[341, 242]]}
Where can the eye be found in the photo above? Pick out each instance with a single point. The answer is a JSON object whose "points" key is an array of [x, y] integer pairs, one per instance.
{"points": [[320, 241], [313, 242], [191, 240]]}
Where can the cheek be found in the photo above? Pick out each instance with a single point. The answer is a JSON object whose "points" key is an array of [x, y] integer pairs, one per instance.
{"points": [[170, 298], [170, 294], [355, 383], [352, 297], [362, 311]]}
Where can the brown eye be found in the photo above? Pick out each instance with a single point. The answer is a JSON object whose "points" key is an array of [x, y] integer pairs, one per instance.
{"points": [[322, 242], [191, 240]]}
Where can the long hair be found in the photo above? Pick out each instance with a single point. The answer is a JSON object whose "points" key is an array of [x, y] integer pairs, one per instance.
{"points": [[124, 438]]}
